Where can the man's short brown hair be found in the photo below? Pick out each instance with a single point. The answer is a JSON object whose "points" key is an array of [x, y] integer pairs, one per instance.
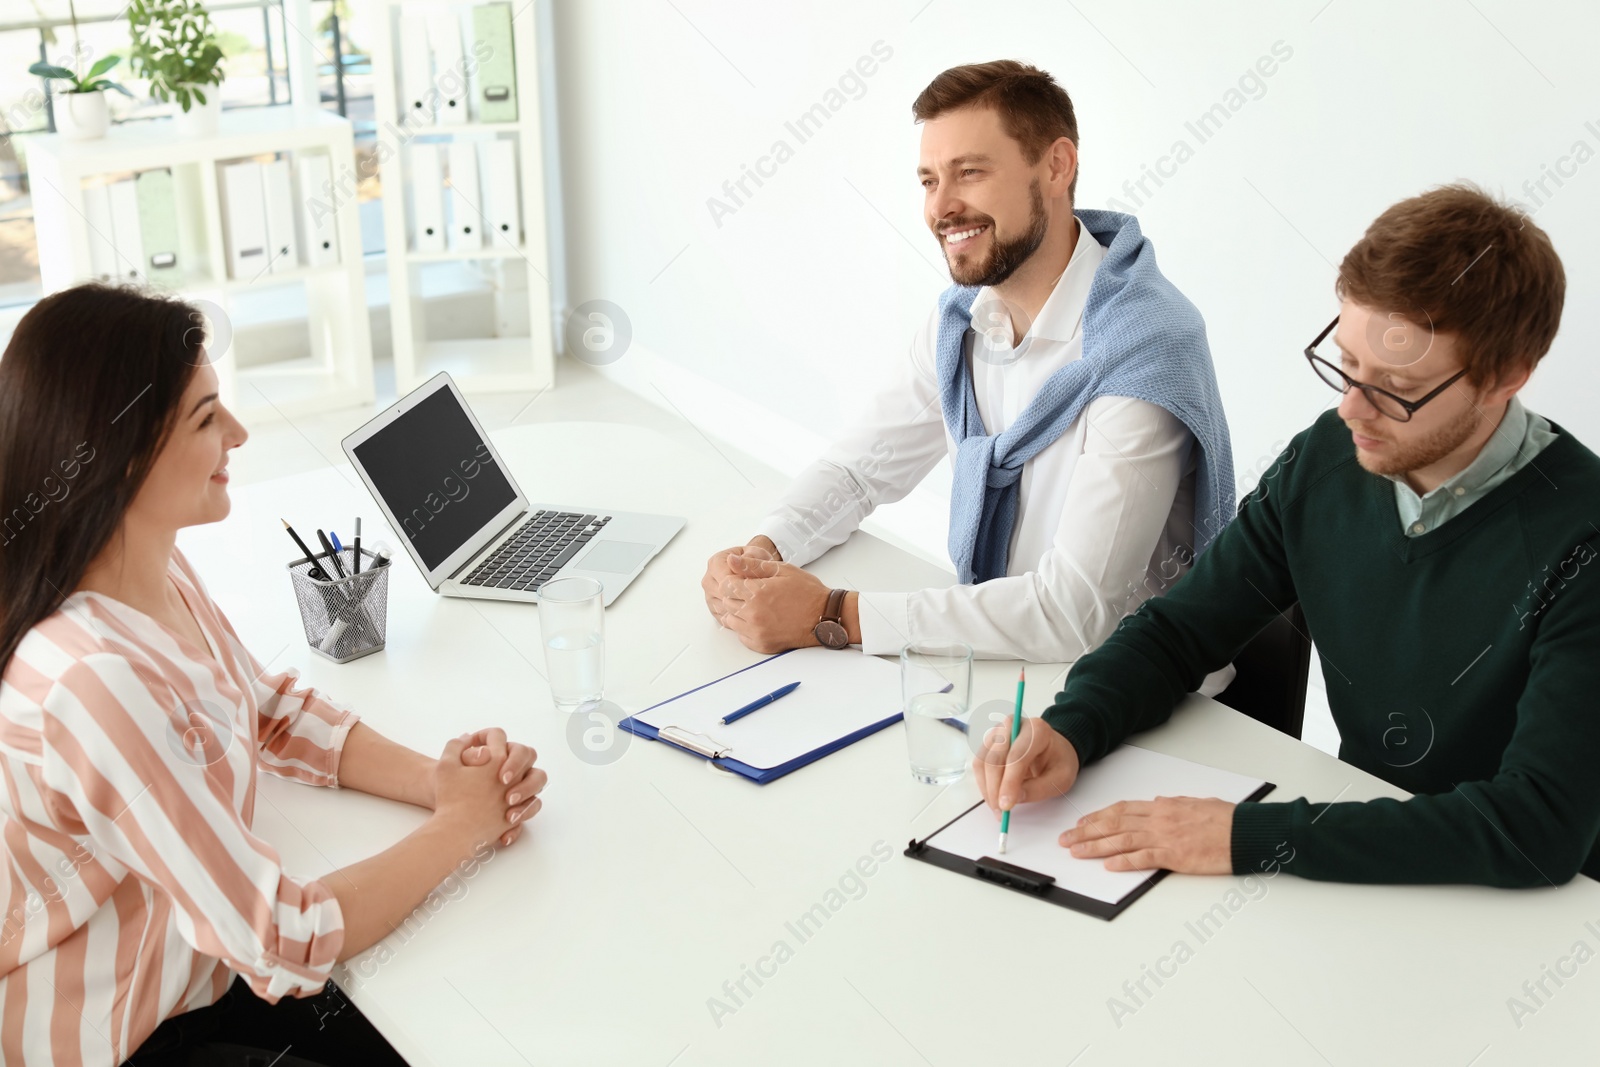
{"points": [[1471, 266], [1034, 111]]}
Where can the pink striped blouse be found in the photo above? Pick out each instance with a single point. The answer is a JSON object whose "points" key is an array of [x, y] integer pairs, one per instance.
{"points": [[133, 884]]}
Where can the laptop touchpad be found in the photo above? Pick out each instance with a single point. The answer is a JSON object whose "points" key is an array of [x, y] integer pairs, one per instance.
{"points": [[616, 557]]}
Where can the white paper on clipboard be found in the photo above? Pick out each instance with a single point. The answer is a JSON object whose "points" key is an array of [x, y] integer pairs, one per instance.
{"points": [[840, 693], [1126, 773]]}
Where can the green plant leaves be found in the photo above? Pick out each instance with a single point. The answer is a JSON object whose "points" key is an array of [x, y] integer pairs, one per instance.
{"points": [[175, 47], [104, 64], [50, 70], [90, 83]]}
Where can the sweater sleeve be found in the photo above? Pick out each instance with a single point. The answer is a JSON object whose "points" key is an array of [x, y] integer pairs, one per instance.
{"points": [[1533, 823], [121, 780], [1162, 651]]}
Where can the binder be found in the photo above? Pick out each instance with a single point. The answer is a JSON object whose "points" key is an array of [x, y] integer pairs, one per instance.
{"points": [[449, 69], [1037, 865], [466, 198], [842, 698], [246, 214], [502, 209], [427, 199], [319, 221], [158, 223], [102, 246], [495, 85], [278, 197], [417, 103], [125, 229]]}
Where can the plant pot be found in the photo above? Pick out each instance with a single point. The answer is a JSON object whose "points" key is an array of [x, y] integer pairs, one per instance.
{"points": [[82, 116], [200, 120]]}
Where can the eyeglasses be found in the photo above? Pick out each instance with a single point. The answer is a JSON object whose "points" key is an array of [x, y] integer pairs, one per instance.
{"points": [[1395, 407]]}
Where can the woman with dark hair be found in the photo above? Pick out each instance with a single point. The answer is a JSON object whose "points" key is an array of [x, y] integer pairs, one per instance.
{"points": [[133, 884]]}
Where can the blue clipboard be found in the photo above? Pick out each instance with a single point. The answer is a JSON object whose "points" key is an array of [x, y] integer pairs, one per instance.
{"points": [[759, 775]]}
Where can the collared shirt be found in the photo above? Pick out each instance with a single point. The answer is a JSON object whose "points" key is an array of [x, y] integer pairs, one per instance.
{"points": [[133, 885], [1520, 436], [1105, 512]]}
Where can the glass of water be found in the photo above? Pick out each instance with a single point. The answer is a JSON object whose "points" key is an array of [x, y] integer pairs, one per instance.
{"points": [[572, 627], [936, 691]]}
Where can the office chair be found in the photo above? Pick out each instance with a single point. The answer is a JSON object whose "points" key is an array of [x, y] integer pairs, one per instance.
{"points": [[1271, 683]]}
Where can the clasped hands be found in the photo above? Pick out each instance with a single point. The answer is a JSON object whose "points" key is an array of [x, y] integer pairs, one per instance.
{"points": [[1189, 835], [490, 784], [770, 605]]}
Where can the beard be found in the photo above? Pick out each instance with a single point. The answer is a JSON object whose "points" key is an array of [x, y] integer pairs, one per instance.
{"points": [[1005, 255], [1423, 452]]}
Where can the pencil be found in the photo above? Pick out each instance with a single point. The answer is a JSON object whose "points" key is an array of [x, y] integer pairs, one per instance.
{"points": [[316, 571], [1016, 724]]}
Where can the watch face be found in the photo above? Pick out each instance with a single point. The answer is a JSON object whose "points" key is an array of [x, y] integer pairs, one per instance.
{"points": [[831, 634]]}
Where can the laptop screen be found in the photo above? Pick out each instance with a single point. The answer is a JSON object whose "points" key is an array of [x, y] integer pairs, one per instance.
{"points": [[436, 475]]}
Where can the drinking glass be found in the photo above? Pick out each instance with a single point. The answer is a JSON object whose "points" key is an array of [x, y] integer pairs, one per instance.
{"points": [[936, 691], [572, 627]]}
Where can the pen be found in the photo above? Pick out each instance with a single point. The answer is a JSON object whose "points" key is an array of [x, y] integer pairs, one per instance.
{"points": [[338, 549], [358, 545], [316, 571], [951, 720], [759, 703], [326, 544], [1016, 724]]}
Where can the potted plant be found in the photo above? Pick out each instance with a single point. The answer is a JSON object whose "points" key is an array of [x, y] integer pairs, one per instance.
{"points": [[175, 46], [81, 113], [80, 109]]}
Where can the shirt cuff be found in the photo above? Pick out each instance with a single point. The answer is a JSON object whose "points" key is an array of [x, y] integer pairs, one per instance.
{"points": [[1217, 681], [336, 740], [1260, 834], [885, 622], [776, 530]]}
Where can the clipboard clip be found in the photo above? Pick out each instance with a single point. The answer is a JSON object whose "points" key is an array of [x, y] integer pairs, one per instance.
{"points": [[1015, 877], [708, 747]]}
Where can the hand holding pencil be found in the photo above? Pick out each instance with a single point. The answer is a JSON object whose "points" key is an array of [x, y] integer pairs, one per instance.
{"points": [[1032, 763]]}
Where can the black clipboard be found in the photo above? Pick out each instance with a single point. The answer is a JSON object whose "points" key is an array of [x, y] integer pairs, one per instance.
{"points": [[1032, 883]]}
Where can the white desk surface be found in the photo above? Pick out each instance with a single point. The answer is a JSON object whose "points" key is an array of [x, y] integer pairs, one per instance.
{"points": [[648, 882]]}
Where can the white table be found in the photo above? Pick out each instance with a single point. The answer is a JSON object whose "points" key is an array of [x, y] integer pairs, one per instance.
{"points": [[648, 882]]}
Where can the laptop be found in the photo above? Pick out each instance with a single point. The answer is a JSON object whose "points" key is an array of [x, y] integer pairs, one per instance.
{"points": [[469, 526]]}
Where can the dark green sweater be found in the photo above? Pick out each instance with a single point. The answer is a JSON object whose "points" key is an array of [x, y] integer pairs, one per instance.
{"points": [[1462, 665]]}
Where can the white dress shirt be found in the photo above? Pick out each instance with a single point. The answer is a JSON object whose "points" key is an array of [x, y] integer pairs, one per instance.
{"points": [[1105, 512]]}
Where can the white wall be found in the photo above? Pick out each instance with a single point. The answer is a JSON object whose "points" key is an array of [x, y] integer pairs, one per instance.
{"points": [[762, 323]]}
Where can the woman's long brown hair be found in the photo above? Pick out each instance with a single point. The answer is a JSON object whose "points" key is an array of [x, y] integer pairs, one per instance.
{"points": [[89, 387]]}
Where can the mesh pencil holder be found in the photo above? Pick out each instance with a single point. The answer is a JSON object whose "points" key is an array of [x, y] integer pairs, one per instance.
{"points": [[345, 618]]}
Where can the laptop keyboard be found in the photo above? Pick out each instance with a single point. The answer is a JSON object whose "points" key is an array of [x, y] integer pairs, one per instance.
{"points": [[540, 547]]}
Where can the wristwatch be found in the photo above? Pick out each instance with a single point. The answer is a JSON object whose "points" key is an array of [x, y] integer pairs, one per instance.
{"points": [[830, 632]]}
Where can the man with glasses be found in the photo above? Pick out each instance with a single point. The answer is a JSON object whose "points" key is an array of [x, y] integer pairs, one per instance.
{"points": [[1438, 536]]}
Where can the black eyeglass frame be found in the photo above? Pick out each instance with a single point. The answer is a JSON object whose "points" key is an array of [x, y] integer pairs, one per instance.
{"points": [[1408, 406]]}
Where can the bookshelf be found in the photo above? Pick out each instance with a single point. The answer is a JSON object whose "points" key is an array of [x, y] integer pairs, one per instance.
{"points": [[512, 349], [335, 370]]}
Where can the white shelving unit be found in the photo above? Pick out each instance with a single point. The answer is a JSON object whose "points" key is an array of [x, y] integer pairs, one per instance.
{"points": [[336, 370], [515, 349]]}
